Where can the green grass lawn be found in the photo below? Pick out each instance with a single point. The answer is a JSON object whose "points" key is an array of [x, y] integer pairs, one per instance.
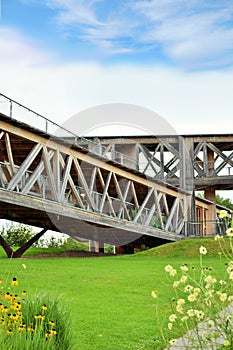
{"points": [[110, 298]]}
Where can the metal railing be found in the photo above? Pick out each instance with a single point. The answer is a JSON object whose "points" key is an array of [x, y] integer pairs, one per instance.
{"points": [[19, 112], [204, 228]]}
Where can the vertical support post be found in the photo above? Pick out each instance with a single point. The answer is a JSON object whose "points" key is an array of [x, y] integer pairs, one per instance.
{"points": [[57, 171], [210, 161], [10, 109], [186, 151], [210, 194], [95, 246], [211, 212]]}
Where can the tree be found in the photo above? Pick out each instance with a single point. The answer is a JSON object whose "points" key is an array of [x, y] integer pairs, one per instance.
{"points": [[225, 202], [18, 235]]}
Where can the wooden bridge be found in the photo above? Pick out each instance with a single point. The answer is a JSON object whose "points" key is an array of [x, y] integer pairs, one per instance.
{"points": [[119, 191]]}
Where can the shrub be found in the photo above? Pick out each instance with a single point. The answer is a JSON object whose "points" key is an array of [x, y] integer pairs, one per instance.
{"points": [[17, 235], [32, 323]]}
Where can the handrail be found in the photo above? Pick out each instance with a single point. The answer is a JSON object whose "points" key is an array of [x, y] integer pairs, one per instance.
{"points": [[89, 145]]}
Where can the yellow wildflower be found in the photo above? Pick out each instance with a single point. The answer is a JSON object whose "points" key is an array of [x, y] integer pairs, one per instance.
{"points": [[14, 282], [44, 307], [226, 342], [222, 214]]}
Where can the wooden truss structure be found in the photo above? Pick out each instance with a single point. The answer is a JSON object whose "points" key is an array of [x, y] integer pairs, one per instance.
{"points": [[37, 167], [188, 162]]}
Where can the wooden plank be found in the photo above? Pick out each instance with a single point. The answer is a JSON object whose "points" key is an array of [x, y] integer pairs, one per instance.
{"points": [[72, 185], [24, 167], [106, 186], [84, 184], [9, 153], [170, 148], [150, 157], [135, 197], [150, 215], [171, 216], [35, 175], [107, 195], [157, 198], [227, 160], [121, 197], [65, 179], [126, 191], [93, 179], [49, 171], [151, 190], [57, 171]]}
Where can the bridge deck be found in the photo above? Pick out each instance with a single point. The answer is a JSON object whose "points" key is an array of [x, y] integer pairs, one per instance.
{"points": [[48, 183]]}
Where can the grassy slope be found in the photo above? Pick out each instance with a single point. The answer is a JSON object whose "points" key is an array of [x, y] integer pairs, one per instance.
{"points": [[188, 248], [110, 298]]}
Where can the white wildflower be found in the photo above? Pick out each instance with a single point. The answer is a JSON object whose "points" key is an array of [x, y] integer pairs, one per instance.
{"points": [[203, 250]]}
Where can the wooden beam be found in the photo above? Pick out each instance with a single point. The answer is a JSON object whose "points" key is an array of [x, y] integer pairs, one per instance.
{"points": [[106, 186], [49, 171], [84, 183], [72, 185], [9, 153], [24, 167], [151, 190], [35, 175], [65, 179], [121, 197], [107, 195]]}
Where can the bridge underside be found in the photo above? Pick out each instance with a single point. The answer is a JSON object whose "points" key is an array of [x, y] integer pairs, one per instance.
{"points": [[76, 222]]}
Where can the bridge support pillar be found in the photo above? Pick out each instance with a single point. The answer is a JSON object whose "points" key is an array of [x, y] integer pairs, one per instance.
{"points": [[186, 151], [131, 152], [95, 246], [210, 195], [211, 212]]}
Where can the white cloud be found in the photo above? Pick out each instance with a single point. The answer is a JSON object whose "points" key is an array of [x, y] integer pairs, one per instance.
{"points": [[192, 32], [191, 102], [75, 11]]}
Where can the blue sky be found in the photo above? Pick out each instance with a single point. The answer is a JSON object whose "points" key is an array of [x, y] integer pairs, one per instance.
{"points": [[191, 34], [172, 56]]}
